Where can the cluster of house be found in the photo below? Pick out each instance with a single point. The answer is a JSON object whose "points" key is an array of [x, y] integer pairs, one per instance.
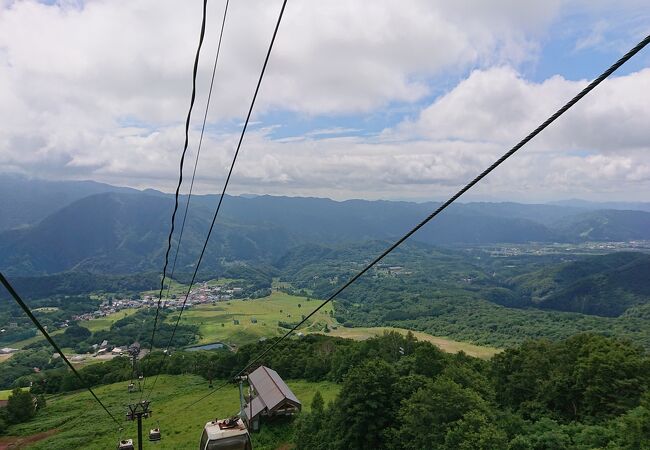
{"points": [[386, 269], [203, 293], [104, 348], [109, 307]]}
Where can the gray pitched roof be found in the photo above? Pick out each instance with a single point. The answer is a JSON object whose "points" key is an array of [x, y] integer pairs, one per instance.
{"points": [[272, 391]]}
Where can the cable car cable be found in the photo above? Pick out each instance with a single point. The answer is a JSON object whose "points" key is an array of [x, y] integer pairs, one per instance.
{"points": [[198, 152], [452, 199], [180, 176], [223, 193], [196, 160], [33, 318]]}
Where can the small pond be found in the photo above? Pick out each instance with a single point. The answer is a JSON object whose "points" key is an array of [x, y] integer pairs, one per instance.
{"points": [[212, 346]]}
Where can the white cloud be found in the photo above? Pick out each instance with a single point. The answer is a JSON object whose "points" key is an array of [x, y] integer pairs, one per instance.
{"points": [[499, 106], [99, 90]]}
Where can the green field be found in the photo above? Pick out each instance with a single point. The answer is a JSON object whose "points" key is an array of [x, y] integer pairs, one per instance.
{"points": [[4, 395], [79, 422], [216, 322], [209, 319], [104, 323], [31, 340]]}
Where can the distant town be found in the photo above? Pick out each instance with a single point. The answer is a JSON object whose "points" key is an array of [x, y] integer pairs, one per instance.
{"points": [[203, 293]]}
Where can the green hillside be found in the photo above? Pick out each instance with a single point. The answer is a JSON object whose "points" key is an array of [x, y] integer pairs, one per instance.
{"points": [[122, 232], [77, 421], [606, 225], [604, 285]]}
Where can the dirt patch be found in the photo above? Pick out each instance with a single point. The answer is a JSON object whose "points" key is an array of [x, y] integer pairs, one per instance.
{"points": [[16, 442], [285, 447]]}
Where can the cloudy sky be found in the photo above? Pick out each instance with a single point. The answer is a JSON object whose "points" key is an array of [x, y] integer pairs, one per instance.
{"points": [[373, 99]]}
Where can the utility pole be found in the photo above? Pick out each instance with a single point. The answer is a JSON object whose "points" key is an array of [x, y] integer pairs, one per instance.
{"points": [[136, 412]]}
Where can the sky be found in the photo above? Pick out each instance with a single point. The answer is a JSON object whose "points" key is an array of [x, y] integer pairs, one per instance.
{"points": [[403, 100]]}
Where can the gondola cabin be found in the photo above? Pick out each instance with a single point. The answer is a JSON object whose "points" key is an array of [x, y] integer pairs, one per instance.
{"points": [[125, 444], [227, 434]]}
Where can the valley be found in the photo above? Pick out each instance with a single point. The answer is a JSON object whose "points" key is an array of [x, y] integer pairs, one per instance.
{"points": [[527, 281]]}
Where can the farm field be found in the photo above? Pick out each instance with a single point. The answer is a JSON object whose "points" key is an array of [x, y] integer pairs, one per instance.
{"points": [[216, 322], [77, 421]]}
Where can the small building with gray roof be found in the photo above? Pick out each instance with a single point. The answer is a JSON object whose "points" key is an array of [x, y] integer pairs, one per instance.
{"points": [[270, 397]]}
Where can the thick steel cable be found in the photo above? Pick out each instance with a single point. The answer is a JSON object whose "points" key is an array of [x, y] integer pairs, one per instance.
{"points": [[198, 152], [180, 176], [452, 199], [33, 318], [223, 193]]}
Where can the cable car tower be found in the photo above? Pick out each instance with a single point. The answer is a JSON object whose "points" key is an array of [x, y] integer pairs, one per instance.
{"points": [[134, 352], [137, 411]]}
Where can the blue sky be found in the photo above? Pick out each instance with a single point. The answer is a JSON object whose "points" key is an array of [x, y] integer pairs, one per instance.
{"points": [[565, 49]]}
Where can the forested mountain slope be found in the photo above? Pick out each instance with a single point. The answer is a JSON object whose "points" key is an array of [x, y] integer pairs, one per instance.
{"points": [[604, 285], [119, 233], [26, 201]]}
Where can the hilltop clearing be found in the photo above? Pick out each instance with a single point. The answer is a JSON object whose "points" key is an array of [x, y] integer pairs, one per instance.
{"points": [[446, 345]]}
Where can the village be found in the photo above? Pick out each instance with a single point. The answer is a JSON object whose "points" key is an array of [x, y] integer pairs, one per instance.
{"points": [[203, 293]]}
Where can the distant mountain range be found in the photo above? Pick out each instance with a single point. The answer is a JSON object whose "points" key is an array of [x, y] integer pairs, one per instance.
{"points": [[51, 227], [26, 201]]}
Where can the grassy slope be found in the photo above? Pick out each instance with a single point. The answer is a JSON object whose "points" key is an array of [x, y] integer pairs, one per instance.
{"points": [[266, 310], [444, 344], [104, 323], [81, 422], [209, 319]]}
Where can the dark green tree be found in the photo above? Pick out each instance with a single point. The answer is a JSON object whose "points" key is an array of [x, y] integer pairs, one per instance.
{"points": [[20, 406], [475, 432], [309, 427], [365, 406], [428, 414]]}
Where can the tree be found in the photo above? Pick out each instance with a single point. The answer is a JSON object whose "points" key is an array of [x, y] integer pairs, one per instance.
{"points": [[20, 406], [475, 432], [40, 401], [310, 426], [585, 376], [429, 360], [431, 411], [75, 334], [365, 407], [635, 426]]}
